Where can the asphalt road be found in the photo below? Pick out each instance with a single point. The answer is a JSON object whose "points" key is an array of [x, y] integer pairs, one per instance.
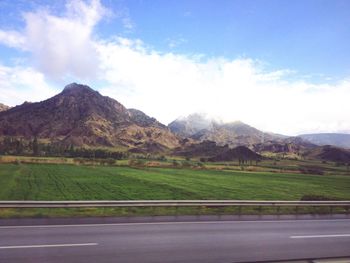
{"points": [[215, 241]]}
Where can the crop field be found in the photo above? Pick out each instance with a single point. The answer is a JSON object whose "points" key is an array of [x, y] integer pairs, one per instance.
{"points": [[78, 182]]}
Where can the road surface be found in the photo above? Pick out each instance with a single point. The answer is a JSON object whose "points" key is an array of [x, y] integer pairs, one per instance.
{"points": [[215, 241]]}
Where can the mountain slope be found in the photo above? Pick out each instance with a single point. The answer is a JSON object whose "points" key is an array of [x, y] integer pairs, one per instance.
{"points": [[83, 117], [202, 149], [329, 153], [336, 139], [294, 145], [239, 153]]}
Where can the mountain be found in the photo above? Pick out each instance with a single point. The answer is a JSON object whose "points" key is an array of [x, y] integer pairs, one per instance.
{"points": [[234, 134], [335, 139], [3, 107], [83, 117], [329, 153]]}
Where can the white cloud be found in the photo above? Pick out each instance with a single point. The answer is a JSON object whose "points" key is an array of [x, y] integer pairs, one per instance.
{"points": [[175, 42], [12, 39], [61, 45], [18, 84], [166, 85]]}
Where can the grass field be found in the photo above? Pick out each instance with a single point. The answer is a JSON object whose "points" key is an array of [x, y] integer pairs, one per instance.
{"points": [[78, 182], [72, 182]]}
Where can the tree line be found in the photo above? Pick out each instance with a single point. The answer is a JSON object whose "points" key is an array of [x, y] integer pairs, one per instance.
{"points": [[20, 146]]}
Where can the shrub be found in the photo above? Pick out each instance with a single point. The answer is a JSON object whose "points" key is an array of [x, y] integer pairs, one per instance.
{"points": [[136, 163]]}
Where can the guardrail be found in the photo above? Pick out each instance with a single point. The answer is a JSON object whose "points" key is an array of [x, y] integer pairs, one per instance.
{"points": [[171, 203]]}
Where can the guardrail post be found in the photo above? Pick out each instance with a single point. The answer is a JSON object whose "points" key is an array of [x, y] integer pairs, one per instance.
{"points": [[278, 210]]}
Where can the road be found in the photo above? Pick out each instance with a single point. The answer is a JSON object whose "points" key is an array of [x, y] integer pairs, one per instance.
{"points": [[215, 241]]}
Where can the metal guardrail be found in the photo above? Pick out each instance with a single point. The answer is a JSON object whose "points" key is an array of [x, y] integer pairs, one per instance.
{"points": [[171, 203]]}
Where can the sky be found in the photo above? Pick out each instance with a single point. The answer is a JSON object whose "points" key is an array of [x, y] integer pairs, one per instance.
{"points": [[280, 66]]}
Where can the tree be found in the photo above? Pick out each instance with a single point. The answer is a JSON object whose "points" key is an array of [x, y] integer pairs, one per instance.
{"points": [[35, 146], [19, 147]]}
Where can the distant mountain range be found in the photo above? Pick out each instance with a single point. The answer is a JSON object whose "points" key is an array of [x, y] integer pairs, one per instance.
{"points": [[336, 139], [81, 117], [201, 128]]}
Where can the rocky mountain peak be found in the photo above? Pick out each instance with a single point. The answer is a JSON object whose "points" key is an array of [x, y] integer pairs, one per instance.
{"points": [[78, 89]]}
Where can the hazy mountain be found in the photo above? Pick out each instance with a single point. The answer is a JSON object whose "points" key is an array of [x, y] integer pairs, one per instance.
{"points": [[329, 153], [336, 139], [190, 125], [81, 116], [234, 134], [3, 107]]}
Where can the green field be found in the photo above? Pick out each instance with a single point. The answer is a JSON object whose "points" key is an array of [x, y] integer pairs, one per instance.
{"points": [[80, 182], [73, 182]]}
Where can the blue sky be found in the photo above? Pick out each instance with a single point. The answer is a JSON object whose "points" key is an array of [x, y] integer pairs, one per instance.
{"points": [[141, 51], [311, 37]]}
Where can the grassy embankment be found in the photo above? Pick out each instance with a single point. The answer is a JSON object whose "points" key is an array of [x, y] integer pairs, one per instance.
{"points": [[79, 182]]}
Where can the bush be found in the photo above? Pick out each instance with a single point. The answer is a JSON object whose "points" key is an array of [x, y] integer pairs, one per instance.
{"points": [[136, 163], [176, 163], [311, 170]]}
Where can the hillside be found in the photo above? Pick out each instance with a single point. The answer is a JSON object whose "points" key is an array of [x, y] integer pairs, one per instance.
{"points": [[240, 153], [81, 116], [336, 139], [291, 145], [329, 153], [202, 149]]}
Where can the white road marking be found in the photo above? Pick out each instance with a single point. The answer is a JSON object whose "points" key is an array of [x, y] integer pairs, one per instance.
{"points": [[52, 245], [322, 236], [176, 223]]}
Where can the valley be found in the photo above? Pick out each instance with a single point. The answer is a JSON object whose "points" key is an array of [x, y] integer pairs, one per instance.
{"points": [[80, 145]]}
